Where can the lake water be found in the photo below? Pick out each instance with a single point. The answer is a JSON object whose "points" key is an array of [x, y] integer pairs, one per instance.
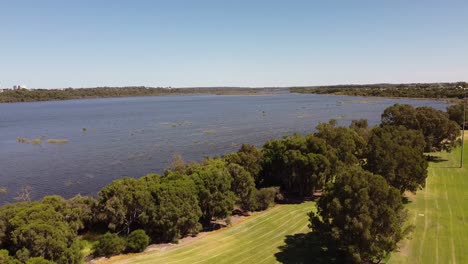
{"points": [[112, 138]]}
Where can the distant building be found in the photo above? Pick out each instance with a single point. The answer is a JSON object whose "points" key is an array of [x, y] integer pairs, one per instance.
{"points": [[19, 87]]}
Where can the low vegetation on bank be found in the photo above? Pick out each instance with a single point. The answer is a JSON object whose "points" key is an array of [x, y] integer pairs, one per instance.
{"points": [[360, 174], [23, 95], [411, 90]]}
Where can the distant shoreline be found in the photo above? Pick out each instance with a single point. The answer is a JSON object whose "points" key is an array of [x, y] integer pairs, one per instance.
{"points": [[450, 92], [42, 95]]}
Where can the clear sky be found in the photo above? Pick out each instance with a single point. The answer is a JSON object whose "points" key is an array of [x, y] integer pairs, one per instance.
{"points": [[231, 43]]}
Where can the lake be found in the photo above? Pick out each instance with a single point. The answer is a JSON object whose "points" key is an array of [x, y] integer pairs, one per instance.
{"points": [[116, 137]]}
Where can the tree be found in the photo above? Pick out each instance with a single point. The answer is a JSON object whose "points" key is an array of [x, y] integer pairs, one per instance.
{"points": [[361, 215], [214, 190], [243, 186], [455, 113], [5, 258], [137, 241], [124, 204], [176, 210], [298, 164], [361, 127], [396, 153], [265, 197], [439, 131], [39, 229], [87, 209], [249, 157], [349, 145], [108, 245]]}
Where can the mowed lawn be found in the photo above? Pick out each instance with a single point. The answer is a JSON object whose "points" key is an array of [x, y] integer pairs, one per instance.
{"points": [[440, 214], [254, 240]]}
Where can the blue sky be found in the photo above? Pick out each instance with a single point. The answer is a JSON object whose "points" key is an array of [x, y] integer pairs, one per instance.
{"points": [[231, 43]]}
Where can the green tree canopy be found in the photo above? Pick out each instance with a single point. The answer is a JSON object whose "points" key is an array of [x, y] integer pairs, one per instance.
{"points": [[349, 145], [249, 157], [243, 186], [176, 210], [396, 153], [124, 204], [108, 245], [455, 113], [361, 215], [137, 241], [439, 131], [46, 228], [214, 190], [298, 164]]}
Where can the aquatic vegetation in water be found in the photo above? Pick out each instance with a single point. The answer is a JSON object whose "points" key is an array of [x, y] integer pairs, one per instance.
{"points": [[209, 131], [178, 124], [71, 183], [35, 141], [57, 141]]}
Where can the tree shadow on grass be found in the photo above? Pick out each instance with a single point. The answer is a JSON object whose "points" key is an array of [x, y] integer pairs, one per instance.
{"points": [[438, 159], [307, 248], [435, 159]]}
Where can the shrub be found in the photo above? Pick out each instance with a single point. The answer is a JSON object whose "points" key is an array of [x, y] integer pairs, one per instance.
{"points": [[137, 241], [265, 197], [5, 258], [108, 245], [39, 260], [22, 254]]}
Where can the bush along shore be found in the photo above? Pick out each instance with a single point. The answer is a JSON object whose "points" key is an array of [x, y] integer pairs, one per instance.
{"points": [[409, 90], [360, 174]]}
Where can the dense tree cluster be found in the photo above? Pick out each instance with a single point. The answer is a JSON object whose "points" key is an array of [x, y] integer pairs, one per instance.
{"points": [[412, 90], [46, 228], [158, 208], [360, 172], [439, 131]]}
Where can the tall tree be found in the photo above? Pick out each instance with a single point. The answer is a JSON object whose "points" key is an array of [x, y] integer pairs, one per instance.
{"points": [[243, 186], [439, 131], [349, 145], [361, 215], [455, 113], [298, 164], [124, 203], [213, 184], [249, 157], [42, 230], [176, 211], [396, 153]]}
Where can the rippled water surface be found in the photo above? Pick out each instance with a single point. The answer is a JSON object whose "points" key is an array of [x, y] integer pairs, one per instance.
{"points": [[112, 138]]}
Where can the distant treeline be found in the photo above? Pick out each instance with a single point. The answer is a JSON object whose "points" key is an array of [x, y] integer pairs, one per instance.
{"points": [[413, 90], [23, 95]]}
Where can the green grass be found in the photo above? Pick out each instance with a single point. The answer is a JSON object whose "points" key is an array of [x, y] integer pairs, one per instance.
{"points": [[88, 240], [440, 215], [254, 240]]}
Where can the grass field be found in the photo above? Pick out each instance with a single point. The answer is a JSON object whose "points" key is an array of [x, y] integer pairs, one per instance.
{"points": [[440, 215], [254, 240]]}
